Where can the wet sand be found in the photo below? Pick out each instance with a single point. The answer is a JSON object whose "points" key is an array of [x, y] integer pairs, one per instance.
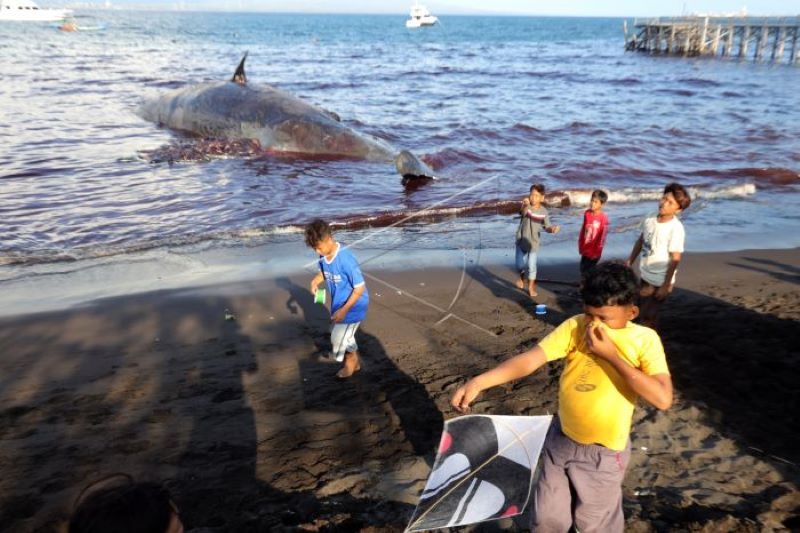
{"points": [[245, 422]]}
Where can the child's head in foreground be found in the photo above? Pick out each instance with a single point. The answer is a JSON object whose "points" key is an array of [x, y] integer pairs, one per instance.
{"points": [[674, 200], [599, 198], [609, 292], [536, 194], [319, 237], [121, 505]]}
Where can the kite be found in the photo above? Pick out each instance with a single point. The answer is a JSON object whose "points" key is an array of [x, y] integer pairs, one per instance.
{"points": [[483, 470]]}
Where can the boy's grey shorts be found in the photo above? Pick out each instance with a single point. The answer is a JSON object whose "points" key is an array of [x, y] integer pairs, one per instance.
{"points": [[343, 339], [594, 474]]}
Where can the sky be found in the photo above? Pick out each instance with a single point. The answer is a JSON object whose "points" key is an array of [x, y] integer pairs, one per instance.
{"points": [[626, 8]]}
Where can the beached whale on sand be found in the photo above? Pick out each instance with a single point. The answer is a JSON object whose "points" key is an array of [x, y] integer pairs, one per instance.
{"points": [[279, 121]]}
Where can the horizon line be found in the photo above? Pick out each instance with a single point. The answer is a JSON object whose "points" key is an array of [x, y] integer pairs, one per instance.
{"points": [[403, 13]]}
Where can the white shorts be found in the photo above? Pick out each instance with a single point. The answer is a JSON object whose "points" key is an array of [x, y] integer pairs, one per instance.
{"points": [[343, 339]]}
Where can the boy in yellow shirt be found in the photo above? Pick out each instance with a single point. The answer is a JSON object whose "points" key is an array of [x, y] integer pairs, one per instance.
{"points": [[610, 362]]}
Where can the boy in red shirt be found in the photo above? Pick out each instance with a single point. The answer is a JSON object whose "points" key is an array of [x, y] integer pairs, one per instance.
{"points": [[593, 233]]}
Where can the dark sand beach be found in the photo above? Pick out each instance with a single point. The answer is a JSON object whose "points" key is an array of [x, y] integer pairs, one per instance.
{"points": [[247, 425]]}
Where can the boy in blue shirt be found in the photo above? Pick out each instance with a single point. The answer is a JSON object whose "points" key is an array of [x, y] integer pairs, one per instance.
{"points": [[349, 298]]}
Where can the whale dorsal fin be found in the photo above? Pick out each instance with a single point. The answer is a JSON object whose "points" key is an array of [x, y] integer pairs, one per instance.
{"points": [[239, 76]]}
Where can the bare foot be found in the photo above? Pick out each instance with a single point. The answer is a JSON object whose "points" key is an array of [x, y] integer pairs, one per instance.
{"points": [[351, 366], [532, 290], [520, 284]]}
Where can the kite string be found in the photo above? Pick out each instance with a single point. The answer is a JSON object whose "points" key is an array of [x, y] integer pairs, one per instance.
{"points": [[418, 213]]}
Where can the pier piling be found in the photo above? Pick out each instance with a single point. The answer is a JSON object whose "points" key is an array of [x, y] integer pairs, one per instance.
{"points": [[762, 43], [715, 36]]}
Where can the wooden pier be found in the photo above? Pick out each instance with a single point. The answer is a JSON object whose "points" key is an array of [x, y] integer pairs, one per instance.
{"points": [[772, 39]]}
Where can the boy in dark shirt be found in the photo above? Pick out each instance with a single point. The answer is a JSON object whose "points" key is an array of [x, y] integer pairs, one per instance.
{"points": [[533, 219]]}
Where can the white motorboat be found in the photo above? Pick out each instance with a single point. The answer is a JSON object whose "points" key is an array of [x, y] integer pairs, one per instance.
{"points": [[420, 16], [27, 10]]}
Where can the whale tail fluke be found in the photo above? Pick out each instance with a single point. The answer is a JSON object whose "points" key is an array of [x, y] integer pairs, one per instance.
{"points": [[412, 168]]}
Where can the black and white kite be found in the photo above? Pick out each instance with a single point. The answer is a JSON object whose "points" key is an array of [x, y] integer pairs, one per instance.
{"points": [[483, 470]]}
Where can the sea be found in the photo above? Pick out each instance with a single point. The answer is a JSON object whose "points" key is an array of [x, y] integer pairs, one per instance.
{"points": [[91, 194]]}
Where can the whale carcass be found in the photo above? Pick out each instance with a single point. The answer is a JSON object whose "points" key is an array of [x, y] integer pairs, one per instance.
{"points": [[279, 121]]}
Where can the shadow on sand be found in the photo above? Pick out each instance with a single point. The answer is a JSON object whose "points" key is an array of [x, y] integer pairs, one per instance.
{"points": [[379, 382], [247, 432], [251, 431]]}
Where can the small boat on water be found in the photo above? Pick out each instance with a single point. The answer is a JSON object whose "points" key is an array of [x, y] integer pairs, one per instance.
{"points": [[420, 17], [27, 10]]}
